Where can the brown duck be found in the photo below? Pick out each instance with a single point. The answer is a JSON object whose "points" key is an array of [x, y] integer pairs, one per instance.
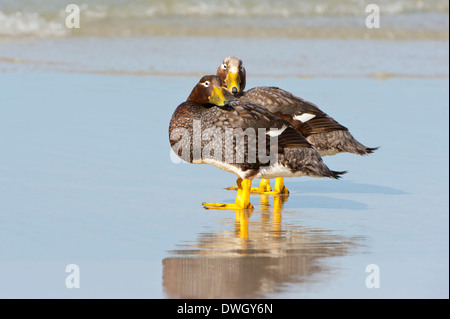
{"points": [[326, 135], [242, 138]]}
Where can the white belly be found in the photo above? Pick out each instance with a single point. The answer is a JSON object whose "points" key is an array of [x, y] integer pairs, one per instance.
{"points": [[277, 170]]}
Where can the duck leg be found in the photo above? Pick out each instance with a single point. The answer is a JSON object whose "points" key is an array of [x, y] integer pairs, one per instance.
{"points": [[278, 188], [264, 186], [242, 197]]}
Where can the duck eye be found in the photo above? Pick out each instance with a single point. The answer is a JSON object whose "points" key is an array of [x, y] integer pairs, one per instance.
{"points": [[224, 66], [206, 83]]}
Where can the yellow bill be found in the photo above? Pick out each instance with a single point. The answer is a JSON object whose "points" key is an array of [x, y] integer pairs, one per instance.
{"points": [[217, 97], [232, 82]]}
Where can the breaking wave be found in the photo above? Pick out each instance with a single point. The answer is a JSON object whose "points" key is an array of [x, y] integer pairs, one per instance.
{"points": [[47, 17]]}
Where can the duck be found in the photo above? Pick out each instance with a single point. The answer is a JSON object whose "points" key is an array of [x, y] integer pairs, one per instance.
{"points": [[325, 134], [241, 138]]}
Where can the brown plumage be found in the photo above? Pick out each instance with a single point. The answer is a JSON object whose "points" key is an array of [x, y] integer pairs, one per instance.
{"points": [[238, 118], [245, 139], [322, 131]]}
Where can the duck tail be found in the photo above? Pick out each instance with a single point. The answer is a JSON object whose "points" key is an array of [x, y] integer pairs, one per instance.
{"points": [[370, 150], [337, 174]]}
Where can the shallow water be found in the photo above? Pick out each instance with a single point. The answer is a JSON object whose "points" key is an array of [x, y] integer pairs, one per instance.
{"points": [[196, 56], [86, 178]]}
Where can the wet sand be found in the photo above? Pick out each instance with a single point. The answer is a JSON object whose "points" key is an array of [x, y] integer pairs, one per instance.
{"points": [[86, 176], [196, 56]]}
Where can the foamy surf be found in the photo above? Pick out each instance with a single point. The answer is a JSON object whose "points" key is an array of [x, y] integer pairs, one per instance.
{"points": [[401, 19], [29, 24]]}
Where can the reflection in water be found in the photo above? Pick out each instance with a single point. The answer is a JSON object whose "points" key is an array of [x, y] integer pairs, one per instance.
{"points": [[258, 256]]}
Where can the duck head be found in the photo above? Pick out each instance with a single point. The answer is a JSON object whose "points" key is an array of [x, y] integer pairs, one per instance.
{"points": [[232, 74], [208, 91]]}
